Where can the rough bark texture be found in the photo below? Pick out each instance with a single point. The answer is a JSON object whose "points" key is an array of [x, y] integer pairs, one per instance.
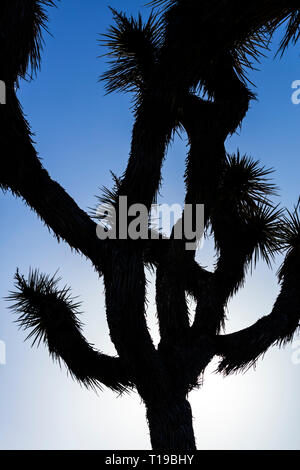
{"points": [[171, 426]]}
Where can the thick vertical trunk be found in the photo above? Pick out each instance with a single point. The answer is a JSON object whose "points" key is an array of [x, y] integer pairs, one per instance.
{"points": [[171, 426]]}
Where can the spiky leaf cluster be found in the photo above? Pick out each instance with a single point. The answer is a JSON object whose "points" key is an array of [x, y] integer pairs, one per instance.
{"points": [[42, 306], [244, 215], [290, 239], [248, 52], [133, 49], [51, 315], [21, 26], [246, 182], [292, 31]]}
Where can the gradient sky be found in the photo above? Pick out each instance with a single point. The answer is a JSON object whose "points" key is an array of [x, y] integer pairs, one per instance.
{"points": [[81, 135]]}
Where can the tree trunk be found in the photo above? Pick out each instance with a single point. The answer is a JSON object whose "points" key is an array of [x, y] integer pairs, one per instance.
{"points": [[171, 426]]}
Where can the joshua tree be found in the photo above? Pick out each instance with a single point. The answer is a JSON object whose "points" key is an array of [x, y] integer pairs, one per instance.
{"points": [[172, 63]]}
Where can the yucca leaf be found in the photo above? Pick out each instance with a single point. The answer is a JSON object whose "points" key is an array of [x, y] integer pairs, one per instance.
{"points": [[51, 315], [21, 25]]}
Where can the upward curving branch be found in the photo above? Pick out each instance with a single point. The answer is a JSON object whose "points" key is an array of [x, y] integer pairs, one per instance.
{"points": [[241, 350], [21, 24], [52, 316], [22, 172], [172, 64]]}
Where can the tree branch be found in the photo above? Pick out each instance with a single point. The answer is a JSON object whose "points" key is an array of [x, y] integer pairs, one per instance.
{"points": [[22, 172], [171, 303], [125, 306], [242, 349], [52, 317]]}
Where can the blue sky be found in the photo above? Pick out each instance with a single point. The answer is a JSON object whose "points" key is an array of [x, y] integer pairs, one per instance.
{"points": [[81, 135]]}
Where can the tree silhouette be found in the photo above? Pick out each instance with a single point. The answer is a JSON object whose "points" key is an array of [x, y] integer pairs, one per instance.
{"points": [[186, 66]]}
